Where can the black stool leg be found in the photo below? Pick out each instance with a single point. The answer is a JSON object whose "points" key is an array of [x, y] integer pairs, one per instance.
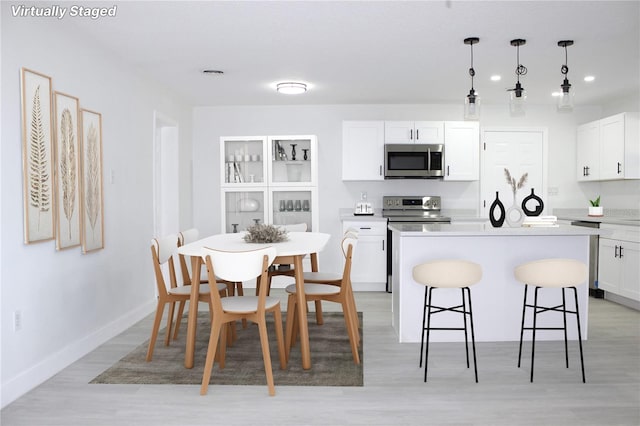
{"points": [[464, 317], [424, 317], [533, 339], [575, 292], [564, 318], [426, 354], [473, 337], [524, 307]]}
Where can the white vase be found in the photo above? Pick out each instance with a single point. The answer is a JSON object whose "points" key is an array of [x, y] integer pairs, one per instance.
{"points": [[514, 215], [596, 211], [248, 205]]}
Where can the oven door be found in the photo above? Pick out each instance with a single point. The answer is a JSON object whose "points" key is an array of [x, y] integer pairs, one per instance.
{"points": [[413, 161]]}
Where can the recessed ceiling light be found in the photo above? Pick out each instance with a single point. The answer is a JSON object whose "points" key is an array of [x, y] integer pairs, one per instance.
{"points": [[589, 78], [496, 78], [291, 88]]}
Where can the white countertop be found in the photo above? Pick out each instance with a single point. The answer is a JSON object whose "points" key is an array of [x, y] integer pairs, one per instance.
{"points": [[630, 217], [484, 229]]}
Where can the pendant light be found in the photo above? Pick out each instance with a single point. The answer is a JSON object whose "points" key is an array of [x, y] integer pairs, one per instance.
{"points": [[565, 101], [518, 95], [472, 100]]}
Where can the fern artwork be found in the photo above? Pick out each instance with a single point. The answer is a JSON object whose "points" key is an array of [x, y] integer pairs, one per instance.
{"points": [[92, 228], [37, 157], [68, 166]]}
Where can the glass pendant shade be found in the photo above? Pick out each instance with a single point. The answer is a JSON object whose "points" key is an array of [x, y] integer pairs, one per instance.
{"points": [[472, 106], [565, 101], [517, 101]]}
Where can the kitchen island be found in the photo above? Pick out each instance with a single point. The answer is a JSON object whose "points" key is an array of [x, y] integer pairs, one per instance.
{"points": [[497, 298]]}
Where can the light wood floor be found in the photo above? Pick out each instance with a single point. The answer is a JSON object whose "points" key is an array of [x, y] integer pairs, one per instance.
{"points": [[393, 392]]}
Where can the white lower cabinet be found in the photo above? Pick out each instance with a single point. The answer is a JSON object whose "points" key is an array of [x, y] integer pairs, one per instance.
{"points": [[369, 266], [618, 260]]}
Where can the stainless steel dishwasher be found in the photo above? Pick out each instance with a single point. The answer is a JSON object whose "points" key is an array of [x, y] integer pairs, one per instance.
{"points": [[594, 291]]}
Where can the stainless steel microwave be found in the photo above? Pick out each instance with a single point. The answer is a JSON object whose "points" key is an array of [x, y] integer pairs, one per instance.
{"points": [[413, 161]]}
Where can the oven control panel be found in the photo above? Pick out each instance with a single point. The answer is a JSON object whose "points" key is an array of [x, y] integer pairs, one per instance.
{"points": [[411, 203]]}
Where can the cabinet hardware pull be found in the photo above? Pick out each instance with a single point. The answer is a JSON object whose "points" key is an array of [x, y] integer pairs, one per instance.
{"points": [[380, 171], [365, 227], [447, 170], [584, 171], [620, 252], [615, 254], [382, 245], [417, 134], [587, 171], [619, 167], [411, 134]]}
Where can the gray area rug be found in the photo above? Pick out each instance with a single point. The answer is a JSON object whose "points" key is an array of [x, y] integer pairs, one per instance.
{"points": [[331, 360]]}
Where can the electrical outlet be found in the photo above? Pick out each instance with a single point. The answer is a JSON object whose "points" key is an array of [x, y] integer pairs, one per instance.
{"points": [[17, 321]]}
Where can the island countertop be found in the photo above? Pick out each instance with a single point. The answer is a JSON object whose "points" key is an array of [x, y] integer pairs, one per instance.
{"points": [[484, 229]]}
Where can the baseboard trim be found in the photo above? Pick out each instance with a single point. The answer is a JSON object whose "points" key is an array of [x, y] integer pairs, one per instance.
{"points": [[17, 386]]}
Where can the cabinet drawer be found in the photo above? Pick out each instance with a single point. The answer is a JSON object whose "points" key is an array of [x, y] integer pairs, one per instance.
{"points": [[620, 232], [366, 228]]}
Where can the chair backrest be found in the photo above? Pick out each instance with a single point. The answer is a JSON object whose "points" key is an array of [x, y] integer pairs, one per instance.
{"points": [[186, 237], [162, 250], [348, 245], [295, 227], [238, 266]]}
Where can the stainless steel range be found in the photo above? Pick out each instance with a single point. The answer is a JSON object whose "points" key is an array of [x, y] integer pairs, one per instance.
{"points": [[409, 209]]}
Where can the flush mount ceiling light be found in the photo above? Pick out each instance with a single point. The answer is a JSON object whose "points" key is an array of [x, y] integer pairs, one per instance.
{"points": [[291, 88], [565, 101], [472, 100], [518, 95]]}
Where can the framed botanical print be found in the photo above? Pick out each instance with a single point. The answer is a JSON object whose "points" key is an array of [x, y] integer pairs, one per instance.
{"points": [[92, 235], [37, 157], [68, 171]]}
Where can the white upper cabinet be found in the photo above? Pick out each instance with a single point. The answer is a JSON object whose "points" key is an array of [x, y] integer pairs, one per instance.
{"points": [[462, 150], [588, 151], [609, 149], [427, 132], [362, 150]]}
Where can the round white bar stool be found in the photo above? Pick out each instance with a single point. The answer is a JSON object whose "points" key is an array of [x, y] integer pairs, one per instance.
{"points": [[551, 273], [450, 273]]}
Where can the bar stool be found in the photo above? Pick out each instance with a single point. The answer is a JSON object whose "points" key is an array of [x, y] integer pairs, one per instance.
{"points": [[447, 274], [551, 273]]}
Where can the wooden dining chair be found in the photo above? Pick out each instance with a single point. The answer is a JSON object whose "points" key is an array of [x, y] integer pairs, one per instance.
{"points": [[341, 293], [224, 287], [162, 251], [237, 267]]}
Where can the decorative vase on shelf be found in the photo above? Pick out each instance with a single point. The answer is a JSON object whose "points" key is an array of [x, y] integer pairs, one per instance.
{"points": [[596, 211], [248, 205], [539, 207], [514, 214], [499, 207], [293, 151]]}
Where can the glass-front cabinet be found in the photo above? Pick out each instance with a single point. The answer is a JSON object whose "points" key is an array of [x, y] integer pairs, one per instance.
{"points": [[268, 179]]}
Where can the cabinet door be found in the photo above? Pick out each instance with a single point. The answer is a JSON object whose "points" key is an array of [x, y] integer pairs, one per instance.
{"points": [[242, 208], [362, 150], [369, 260], [289, 206], [429, 132], [609, 271], [461, 152], [243, 160], [399, 132], [588, 151], [292, 160], [612, 147], [630, 282]]}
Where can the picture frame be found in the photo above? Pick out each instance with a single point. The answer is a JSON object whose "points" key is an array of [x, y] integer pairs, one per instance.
{"points": [[92, 235], [37, 157], [68, 171]]}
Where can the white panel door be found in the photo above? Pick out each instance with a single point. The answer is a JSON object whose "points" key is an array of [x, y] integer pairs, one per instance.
{"points": [[519, 151]]}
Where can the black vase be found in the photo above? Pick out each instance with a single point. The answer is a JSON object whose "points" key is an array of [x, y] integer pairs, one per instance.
{"points": [[497, 205], [539, 207]]}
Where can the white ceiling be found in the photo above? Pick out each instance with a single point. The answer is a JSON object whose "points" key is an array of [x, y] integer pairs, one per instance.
{"points": [[374, 52]]}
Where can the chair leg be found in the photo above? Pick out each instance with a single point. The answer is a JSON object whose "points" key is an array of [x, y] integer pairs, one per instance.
{"points": [[179, 319], [216, 325], [353, 339], [524, 307], [533, 338], [167, 337], [424, 319], [473, 337], [277, 320], [426, 353], [319, 319], [240, 291], [356, 321], [222, 348], [564, 320], [575, 293], [154, 330], [266, 356], [464, 319]]}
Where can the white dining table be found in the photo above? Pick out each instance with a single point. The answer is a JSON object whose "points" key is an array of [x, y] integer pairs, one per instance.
{"points": [[298, 245]]}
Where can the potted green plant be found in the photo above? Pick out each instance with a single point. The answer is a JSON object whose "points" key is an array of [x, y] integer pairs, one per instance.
{"points": [[595, 209]]}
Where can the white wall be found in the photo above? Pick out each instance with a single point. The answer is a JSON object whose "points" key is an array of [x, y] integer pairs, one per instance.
{"points": [[71, 302], [325, 121]]}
